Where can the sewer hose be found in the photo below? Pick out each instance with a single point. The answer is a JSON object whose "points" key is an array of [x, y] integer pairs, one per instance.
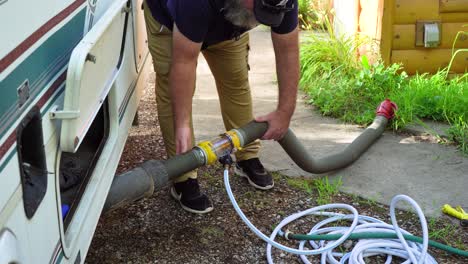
{"points": [[153, 175]]}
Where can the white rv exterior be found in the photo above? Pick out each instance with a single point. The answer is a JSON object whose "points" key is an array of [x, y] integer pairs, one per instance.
{"points": [[71, 75]]}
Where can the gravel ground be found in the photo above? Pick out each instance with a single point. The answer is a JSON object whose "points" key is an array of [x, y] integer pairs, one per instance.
{"points": [[157, 230]]}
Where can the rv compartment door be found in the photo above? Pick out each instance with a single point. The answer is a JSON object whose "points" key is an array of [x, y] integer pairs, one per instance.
{"points": [[93, 68]]}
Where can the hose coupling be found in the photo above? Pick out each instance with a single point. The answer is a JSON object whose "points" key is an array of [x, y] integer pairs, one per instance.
{"points": [[387, 109], [220, 148]]}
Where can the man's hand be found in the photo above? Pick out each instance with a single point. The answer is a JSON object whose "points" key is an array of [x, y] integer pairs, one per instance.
{"points": [[183, 139], [286, 48], [278, 124]]}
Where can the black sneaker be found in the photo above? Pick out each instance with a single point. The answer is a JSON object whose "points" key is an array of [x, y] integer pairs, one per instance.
{"points": [[255, 173], [189, 196]]}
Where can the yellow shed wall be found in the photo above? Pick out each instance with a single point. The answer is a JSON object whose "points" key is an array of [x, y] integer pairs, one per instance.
{"points": [[393, 24]]}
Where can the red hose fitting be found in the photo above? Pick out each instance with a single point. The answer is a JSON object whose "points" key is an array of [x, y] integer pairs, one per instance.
{"points": [[387, 109]]}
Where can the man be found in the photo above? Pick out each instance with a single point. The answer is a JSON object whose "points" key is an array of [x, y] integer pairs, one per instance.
{"points": [[178, 30]]}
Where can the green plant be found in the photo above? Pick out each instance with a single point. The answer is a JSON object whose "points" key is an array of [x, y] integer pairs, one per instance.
{"points": [[459, 133], [305, 14], [441, 231], [326, 189], [276, 176], [301, 184], [312, 13], [455, 52], [343, 86], [323, 56], [370, 85]]}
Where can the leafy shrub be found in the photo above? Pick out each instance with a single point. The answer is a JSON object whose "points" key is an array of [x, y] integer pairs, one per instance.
{"points": [[343, 86], [312, 13]]}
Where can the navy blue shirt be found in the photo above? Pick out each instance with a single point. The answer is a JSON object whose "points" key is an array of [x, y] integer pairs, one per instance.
{"points": [[203, 21]]}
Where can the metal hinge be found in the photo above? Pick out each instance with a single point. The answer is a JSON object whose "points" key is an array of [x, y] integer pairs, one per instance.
{"points": [[61, 114]]}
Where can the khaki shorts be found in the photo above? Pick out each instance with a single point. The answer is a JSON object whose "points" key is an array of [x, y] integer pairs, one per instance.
{"points": [[228, 61]]}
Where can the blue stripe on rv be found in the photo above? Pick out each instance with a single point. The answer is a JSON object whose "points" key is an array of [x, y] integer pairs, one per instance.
{"points": [[41, 67]]}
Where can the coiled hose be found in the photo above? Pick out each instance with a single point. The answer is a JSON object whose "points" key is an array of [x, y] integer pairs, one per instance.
{"points": [[374, 236]]}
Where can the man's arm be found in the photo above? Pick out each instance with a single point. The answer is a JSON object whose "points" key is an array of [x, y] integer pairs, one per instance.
{"points": [[286, 48], [181, 84]]}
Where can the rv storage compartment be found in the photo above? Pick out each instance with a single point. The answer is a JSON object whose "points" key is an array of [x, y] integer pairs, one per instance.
{"points": [[76, 168]]}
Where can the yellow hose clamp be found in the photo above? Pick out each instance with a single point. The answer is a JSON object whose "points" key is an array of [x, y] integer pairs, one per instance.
{"points": [[232, 135], [207, 148]]}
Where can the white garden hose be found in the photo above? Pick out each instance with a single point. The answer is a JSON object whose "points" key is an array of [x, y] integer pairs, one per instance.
{"points": [[410, 251]]}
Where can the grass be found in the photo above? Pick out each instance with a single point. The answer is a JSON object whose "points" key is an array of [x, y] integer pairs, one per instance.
{"points": [[342, 85], [322, 187], [326, 189], [210, 233], [301, 184], [445, 232], [276, 175]]}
